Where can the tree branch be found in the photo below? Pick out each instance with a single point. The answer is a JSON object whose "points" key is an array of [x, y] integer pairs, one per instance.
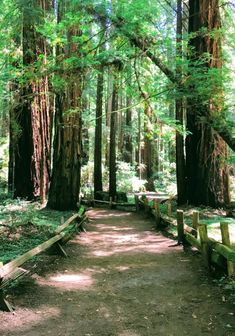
{"points": [[220, 126]]}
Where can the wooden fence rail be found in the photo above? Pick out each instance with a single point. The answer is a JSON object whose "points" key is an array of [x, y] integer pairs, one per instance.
{"points": [[12, 271], [214, 252]]}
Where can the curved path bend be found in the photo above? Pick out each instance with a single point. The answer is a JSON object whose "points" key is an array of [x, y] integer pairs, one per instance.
{"points": [[122, 278]]}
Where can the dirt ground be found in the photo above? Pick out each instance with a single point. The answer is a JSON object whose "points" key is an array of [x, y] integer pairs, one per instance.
{"points": [[122, 278]]}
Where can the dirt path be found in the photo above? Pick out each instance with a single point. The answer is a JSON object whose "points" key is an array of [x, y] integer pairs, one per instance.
{"points": [[121, 279]]}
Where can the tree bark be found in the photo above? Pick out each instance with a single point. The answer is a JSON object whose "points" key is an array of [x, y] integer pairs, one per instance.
{"points": [[128, 147], [65, 183], [139, 148], [179, 116], [98, 185], [29, 169], [112, 147], [148, 149], [206, 152], [120, 126], [108, 110]]}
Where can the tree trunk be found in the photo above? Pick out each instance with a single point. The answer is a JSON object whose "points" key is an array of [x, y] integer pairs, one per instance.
{"points": [[146, 173], [138, 149], [29, 169], [206, 152], [120, 124], [98, 186], [85, 106], [112, 147], [108, 110], [128, 147], [65, 184], [179, 116], [148, 148]]}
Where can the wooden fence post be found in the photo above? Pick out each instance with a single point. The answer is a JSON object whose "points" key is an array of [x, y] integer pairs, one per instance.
{"points": [[195, 223], [137, 205], [204, 243], [226, 241], [157, 213], [180, 226], [169, 208]]}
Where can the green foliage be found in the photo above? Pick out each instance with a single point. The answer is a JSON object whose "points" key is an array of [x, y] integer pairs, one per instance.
{"points": [[127, 181], [24, 225], [104, 39]]}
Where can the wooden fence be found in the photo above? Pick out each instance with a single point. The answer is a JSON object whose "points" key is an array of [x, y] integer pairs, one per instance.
{"points": [[12, 270], [214, 253]]}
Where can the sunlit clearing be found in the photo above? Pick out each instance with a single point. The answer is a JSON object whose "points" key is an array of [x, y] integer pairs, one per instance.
{"points": [[26, 319], [66, 281]]}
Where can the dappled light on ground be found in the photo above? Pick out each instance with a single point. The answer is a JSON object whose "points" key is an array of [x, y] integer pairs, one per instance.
{"points": [[65, 281], [121, 278], [122, 268], [105, 214], [132, 245], [103, 227], [108, 239]]}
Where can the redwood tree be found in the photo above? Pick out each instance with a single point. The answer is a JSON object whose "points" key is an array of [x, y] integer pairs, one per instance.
{"points": [[128, 146], [65, 183], [30, 119], [147, 150], [206, 152], [98, 186], [179, 113], [113, 140]]}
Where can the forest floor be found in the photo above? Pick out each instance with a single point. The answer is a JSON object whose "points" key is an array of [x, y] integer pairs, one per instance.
{"points": [[122, 278]]}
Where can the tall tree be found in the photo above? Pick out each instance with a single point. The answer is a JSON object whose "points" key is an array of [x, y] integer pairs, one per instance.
{"points": [[204, 24], [128, 146], [29, 168], [113, 140], [65, 183], [179, 112], [206, 152], [128, 133], [108, 111], [147, 150], [98, 181], [98, 185]]}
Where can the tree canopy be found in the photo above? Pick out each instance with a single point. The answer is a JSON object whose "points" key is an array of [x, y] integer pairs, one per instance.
{"points": [[90, 90]]}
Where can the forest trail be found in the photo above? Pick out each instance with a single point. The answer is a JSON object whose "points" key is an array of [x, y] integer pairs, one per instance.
{"points": [[122, 278]]}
